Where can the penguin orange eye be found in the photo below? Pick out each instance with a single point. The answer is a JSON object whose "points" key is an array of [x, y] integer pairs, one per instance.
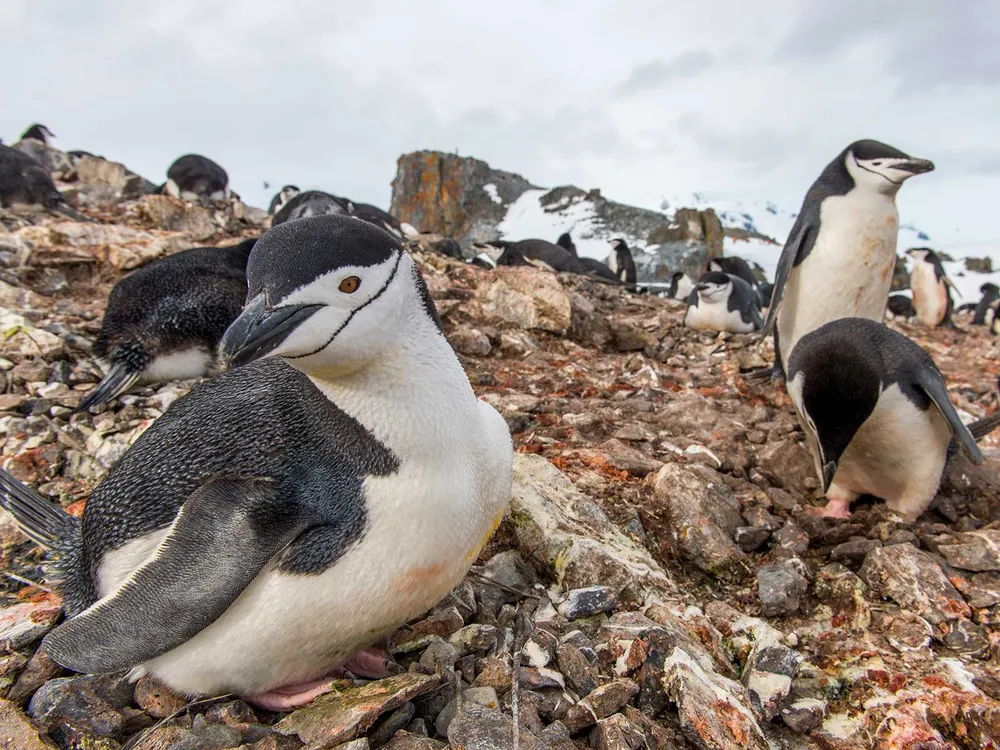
{"points": [[350, 285]]}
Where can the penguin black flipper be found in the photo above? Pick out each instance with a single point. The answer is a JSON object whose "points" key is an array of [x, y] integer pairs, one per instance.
{"points": [[930, 381], [119, 379], [800, 241], [222, 538]]}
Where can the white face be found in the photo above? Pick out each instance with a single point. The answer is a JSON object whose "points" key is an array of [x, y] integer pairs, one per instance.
{"points": [[917, 255], [715, 293], [615, 244], [493, 252], [884, 174]]}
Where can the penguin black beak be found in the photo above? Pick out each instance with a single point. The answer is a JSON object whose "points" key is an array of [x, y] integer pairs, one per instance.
{"points": [[701, 287], [829, 470], [259, 330], [915, 166]]}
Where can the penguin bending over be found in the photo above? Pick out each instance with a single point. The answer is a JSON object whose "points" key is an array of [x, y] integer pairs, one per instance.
{"points": [[594, 267], [681, 286], [930, 285], [281, 198], [23, 181], [990, 293], [195, 177], [310, 203], [164, 321], [877, 416], [721, 302], [839, 257], [622, 264], [38, 132], [899, 306], [289, 513]]}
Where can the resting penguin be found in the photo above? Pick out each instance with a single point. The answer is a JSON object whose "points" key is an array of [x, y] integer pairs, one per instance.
{"points": [[991, 293], [194, 177], [282, 197], [23, 181], [310, 203], [622, 264], [38, 132], [164, 321], [877, 416], [899, 306], [594, 267], [681, 286], [289, 513], [929, 283], [721, 302], [378, 217], [507, 253], [839, 257], [734, 266]]}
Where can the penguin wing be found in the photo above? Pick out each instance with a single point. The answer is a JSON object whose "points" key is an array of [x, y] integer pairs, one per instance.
{"points": [[931, 383], [797, 247], [224, 535]]}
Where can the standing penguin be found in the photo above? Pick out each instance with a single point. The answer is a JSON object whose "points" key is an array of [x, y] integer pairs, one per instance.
{"points": [[286, 515], [839, 257], [721, 302], [195, 177], [594, 267], [680, 286], [164, 321], [23, 181], [931, 294], [621, 263], [310, 203], [281, 198], [877, 416]]}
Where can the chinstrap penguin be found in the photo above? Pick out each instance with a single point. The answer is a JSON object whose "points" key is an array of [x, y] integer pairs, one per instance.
{"points": [[680, 287], [281, 198], [38, 132], [734, 266], [194, 177], [378, 217], [621, 262], [310, 203], [721, 302], [930, 286], [23, 181], [990, 293], [877, 416], [839, 257], [164, 321], [594, 267], [899, 306], [765, 291], [531, 252], [285, 515]]}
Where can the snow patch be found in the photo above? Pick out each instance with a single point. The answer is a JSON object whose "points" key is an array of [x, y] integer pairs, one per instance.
{"points": [[491, 190]]}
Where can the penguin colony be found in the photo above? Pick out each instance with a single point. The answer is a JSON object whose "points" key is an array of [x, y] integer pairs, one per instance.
{"points": [[344, 420]]}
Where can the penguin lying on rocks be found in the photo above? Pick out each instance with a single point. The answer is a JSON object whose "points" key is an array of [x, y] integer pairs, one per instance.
{"points": [[279, 519], [23, 181], [899, 306], [164, 321], [990, 293], [523, 252], [194, 177], [310, 203], [38, 132], [594, 267], [734, 266], [721, 302], [877, 416], [281, 198], [931, 288]]}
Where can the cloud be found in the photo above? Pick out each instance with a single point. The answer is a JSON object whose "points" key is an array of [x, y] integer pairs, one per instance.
{"points": [[658, 73]]}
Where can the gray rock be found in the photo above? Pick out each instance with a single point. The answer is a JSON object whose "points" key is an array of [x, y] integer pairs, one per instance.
{"points": [[480, 728], [580, 673], [81, 702], [587, 325], [854, 550], [394, 722], [526, 297], [914, 581], [23, 624], [481, 696], [751, 538], [617, 733], [792, 537], [804, 715], [108, 181], [588, 602], [470, 341], [473, 638], [975, 550], [600, 703], [408, 741], [780, 587], [439, 656]]}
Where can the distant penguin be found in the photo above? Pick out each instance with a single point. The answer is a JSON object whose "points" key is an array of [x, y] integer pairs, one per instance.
{"points": [[38, 132], [840, 255], [508, 253], [194, 177], [930, 285], [164, 321], [378, 217], [899, 306], [621, 262], [282, 197], [310, 203], [720, 302], [877, 416], [23, 181], [734, 266], [680, 286], [765, 291], [281, 518], [594, 267], [990, 294]]}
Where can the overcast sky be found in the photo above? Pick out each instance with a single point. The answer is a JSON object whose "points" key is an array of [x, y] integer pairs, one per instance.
{"points": [[643, 99]]}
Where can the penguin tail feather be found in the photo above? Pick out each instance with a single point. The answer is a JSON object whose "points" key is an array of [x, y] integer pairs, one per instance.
{"points": [[983, 427], [42, 520], [118, 380]]}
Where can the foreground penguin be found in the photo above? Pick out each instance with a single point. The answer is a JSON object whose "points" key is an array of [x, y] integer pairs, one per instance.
{"points": [[930, 285], [839, 257], [164, 321], [23, 181], [280, 518], [310, 203], [877, 416], [195, 177], [594, 267], [721, 302], [621, 263]]}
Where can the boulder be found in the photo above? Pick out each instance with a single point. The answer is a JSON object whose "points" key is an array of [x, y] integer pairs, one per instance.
{"points": [[914, 581], [527, 298], [106, 182]]}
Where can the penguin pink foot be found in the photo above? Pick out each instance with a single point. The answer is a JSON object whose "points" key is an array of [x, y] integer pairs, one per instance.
{"points": [[368, 663], [836, 507]]}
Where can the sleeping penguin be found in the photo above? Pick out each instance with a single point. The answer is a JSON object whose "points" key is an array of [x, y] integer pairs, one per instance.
{"points": [[310, 203], [899, 306], [281, 198], [164, 321], [721, 302], [594, 267], [930, 285], [24, 181], [876, 414], [281, 518], [194, 177]]}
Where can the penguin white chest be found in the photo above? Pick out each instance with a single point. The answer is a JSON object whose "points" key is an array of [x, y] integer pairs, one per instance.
{"points": [[847, 273], [716, 316], [930, 296]]}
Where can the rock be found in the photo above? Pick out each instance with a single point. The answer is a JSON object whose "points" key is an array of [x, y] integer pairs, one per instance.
{"points": [[526, 297], [475, 637], [588, 602], [55, 161], [407, 741], [361, 744], [792, 538], [470, 341], [629, 338], [769, 672], [87, 703], [617, 733], [517, 342], [804, 715], [23, 624], [204, 737], [156, 699], [434, 627], [174, 215], [122, 247], [39, 670], [482, 696], [979, 265], [588, 326], [13, 297], [914, 581], [17, 732], [711, 708], [394, 722], [702, 516], [854, 550], [624, 457], [351, 711], [975, 550], [580, 673], [480, 728], [751, 538], [599, 704], [561, 529], [21, 339], [780, 587], [114, 182], [439, 656]]}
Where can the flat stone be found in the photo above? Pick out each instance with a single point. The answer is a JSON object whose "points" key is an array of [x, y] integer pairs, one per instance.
{"points": [[599, 704], [914, 581], [480, 728], [74, 700], [580, 673], [976, 551], [804, 715], [474, 637], [407, 741], [527, 298], [482, 696], [625, 457], [588, 602], [854, 550], [617, 733]]}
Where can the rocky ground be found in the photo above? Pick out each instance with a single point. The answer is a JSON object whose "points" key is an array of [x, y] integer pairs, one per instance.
{"points": [[658, 582]]}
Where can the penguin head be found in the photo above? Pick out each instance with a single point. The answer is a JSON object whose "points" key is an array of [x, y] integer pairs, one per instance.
{"points": [[880, 167], [835, 381], [330, 295], [565, 241], [990, 289], [923, 255], [714, 287], [39, 132]]}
